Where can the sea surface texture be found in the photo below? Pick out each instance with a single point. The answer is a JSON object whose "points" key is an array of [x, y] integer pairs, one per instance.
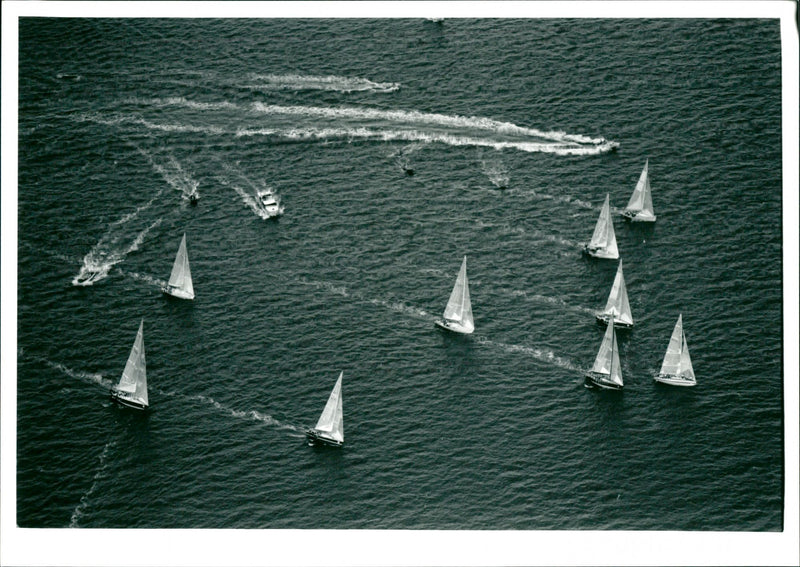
{"points": [[511, 128]]}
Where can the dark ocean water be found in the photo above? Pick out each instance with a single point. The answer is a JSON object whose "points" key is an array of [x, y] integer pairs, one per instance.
{"points": [[117, 120]]}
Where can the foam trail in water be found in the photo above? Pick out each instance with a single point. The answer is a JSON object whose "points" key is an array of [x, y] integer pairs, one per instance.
{"points": [[321, 83], [543, 354], [88, 377], [248, 414], [396, 306], [173, 173], [143, 278], [110, 250], [495, 170], [552, 301], [79, 509]]}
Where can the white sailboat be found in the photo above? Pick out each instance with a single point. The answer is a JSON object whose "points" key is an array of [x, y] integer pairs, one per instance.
{"points": [[180, 280], [606, 372], [640, 207], [132, 388], [677, 366], [330, 426], [458, 313], [617, 307], [604, 242]]}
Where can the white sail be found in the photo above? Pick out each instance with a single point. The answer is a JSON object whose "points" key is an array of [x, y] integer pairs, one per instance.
{"points": [[607, 361], [459, 306], [617, 305], [331, 422], [180, 280], [677, 361], [604, 241], [134, 377], [641, 201]]}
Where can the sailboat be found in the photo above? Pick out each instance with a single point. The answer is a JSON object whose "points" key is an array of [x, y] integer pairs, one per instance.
{"points": [[677, 366], [180, 280], [604, 242], [330, 426], [640, 207], [132, 388], [606, 372], [458, 313], [617, 306]]}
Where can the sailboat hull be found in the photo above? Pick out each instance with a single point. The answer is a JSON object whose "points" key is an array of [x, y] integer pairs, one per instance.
{"points": [[600, 253], [121, 399], [602, 319], [315, 437], [176, 292], [453, 326], [638, 216], [597, 380], [673, 380]]}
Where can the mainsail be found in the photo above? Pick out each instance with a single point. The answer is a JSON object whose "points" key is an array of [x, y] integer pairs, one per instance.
{"points": [[134, 377], [604, 241], [459, 307], [331, 422], [180, 280], [607, 361], [677, 361], [640, 206], [617, 306]]}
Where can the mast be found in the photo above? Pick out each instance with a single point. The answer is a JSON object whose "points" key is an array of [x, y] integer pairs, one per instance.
{"points": [[672, 359], [459, 306], [617, 304], [181, 276], [134, 377], [331, 421]]}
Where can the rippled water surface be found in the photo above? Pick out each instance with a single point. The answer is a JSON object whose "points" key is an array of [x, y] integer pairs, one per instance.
{"points": [[508, 126]]}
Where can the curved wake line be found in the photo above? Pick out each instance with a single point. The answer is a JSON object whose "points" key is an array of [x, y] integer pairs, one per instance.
{"points": [[106, 253], [249, 414], [87, 377], [79, 509], [173, 173], [144, 278], [323, 83], [543, 354], [396, 306]]}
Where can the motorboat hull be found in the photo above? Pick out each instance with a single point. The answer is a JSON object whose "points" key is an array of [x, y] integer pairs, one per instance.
{"points": [[674, 380], [120, 398], [602, 319], [175, 292], [315, 438], [595, 380], [453, 326]]}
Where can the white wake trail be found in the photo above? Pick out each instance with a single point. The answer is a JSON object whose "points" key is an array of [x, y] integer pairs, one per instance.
{"points": [[316, 82], [539, 353], [252, 415], [98, 476]]}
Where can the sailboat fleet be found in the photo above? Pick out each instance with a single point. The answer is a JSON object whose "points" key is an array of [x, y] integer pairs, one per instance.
{"points": [[605, 373]]}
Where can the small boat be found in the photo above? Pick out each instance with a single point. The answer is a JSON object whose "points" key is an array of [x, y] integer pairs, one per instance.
{"points": [[604, 242], [617, 306], [606, 372], [132, 388], [89, 275], [330, 426], [640, 207], [180, 280], [676, 369], [269, 203], [458, 313]]}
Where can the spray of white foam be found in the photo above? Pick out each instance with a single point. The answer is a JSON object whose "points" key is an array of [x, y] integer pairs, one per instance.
{"points": [[112, 249], [174, 174], [318, 83], [539, 353], [88, 377], [98, 476], [251, 415], [494, 169], [143, 278]]}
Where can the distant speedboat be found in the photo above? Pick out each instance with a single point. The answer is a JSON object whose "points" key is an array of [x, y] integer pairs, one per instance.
{"points": [[89, 275], [677, 369], [606, 372], [180, 280], [269, 203], [132, 388], [330, 426], [458, 313], [640, 207], [604, 242], [617, 307]]}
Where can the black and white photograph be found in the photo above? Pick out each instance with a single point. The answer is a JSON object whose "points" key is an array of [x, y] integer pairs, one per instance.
{"points": [[392, 283]]}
